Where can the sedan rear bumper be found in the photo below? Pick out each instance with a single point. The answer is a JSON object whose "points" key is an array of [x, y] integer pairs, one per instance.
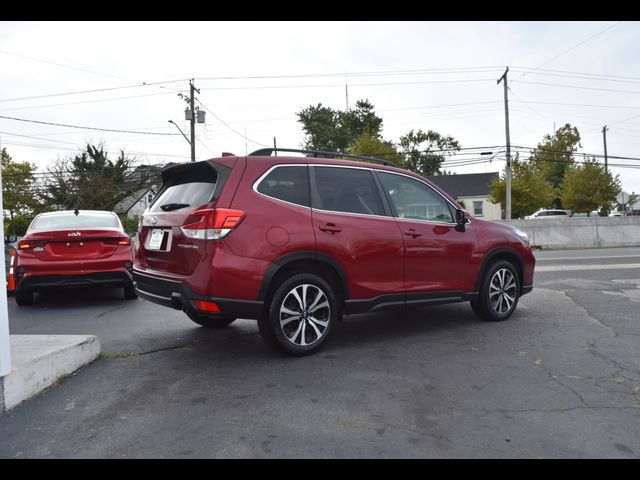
{"points": [[106, 279]]}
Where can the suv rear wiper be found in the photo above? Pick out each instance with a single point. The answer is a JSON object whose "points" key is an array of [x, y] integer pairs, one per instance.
{"points": [[167, 207]]}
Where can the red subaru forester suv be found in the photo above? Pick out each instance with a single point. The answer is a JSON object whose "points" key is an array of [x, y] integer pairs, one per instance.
{"points": [[73, 249], [296, 242]]}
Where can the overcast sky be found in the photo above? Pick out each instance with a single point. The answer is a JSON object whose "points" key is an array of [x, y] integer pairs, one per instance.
{"points": [[254, 76]]}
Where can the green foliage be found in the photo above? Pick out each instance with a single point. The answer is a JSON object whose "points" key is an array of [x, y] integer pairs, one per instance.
{"points": [[335, 130], [588, 187], [529, 189], [18, 185], [370, 144], [554, 156], [424, 151], [90, 180], [129, 224], [16, 226]]}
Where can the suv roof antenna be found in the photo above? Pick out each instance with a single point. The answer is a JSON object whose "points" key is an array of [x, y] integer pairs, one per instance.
{"points": [[266, 152]]}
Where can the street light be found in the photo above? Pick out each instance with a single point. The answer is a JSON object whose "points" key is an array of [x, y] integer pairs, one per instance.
{"points": [[186, 138]]}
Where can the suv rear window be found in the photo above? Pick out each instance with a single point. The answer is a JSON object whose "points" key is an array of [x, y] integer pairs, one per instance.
{"points": [[71, 221], [184, 195]]}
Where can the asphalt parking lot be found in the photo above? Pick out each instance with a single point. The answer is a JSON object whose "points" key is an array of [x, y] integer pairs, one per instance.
{"points": [[560, 379]]}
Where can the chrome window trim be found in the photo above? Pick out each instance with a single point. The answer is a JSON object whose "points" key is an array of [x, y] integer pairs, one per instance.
{"points": [[262, 177]]}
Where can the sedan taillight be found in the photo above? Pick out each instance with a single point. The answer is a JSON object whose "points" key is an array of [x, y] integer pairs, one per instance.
{"points": [[118, 241], [216, 223]]}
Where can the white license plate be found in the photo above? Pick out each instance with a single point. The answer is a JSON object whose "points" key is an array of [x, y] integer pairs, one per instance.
{"points": [[155, 241]]}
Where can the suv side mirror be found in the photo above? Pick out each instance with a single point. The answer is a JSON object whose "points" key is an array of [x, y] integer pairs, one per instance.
{"points": [[460, 220]]}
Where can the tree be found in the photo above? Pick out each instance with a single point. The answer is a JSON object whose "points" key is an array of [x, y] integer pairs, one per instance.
{"points": [[555, 155], [370, 144], [588, 187], [90, 180], [529, 190], [425, 151], [18, 187], [335, 130]]}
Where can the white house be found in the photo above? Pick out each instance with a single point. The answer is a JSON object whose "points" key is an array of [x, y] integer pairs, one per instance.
{"points": [[473, 190]]}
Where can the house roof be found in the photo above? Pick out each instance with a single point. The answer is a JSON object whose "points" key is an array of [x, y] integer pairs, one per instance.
{"points": [[465, 185]]}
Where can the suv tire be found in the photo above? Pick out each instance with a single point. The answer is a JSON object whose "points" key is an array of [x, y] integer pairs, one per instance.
{"points": [[300, 315], [499, 292]]}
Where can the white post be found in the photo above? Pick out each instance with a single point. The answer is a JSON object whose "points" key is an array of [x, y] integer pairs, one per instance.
{"points": [[5, 353]]}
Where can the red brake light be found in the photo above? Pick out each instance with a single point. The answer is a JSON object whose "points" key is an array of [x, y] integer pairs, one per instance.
{"points": [[216, 223], [205, 306]]}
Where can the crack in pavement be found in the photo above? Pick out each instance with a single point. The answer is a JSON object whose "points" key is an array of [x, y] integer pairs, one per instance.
{"points": [[114, 355]]}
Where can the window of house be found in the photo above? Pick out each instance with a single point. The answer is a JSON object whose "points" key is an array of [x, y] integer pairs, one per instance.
{"points": [[477, 208]]}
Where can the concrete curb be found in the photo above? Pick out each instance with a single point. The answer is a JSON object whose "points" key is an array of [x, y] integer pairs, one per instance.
{"points": [[38, 361]]}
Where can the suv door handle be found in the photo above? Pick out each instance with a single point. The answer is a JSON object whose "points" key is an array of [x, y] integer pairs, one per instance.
{"points": [[412, 233], [330, 228]]}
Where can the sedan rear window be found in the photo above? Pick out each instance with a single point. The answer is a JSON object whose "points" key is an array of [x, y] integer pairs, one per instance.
{"points": [[70, 221]]}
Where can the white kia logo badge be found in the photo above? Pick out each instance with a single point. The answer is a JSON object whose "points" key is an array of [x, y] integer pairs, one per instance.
{"points": [[74, 234]]}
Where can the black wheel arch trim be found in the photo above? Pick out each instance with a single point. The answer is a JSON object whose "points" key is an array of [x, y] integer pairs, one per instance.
{"points": [[287, 259], [489, 256]]}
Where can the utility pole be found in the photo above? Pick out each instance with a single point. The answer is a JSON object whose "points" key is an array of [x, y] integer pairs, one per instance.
{"points": [[192, 88], [604, 138], [346, 91], [506, 127], [275, 147]]}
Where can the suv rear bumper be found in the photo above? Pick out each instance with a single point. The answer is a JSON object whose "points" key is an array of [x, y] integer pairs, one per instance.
{"points": [[178, 295], [107, 279]]}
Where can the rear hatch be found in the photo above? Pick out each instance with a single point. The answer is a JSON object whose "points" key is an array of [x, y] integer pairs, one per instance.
{"points": [[186, 188], [77, 244]]}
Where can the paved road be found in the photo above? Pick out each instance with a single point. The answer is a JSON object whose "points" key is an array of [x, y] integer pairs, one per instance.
{"points": [[560, 379]]}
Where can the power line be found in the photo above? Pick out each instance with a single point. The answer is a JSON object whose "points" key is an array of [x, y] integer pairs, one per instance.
{"points": [[579, 87], [87, 128], [78, 92], [341, 85], [230, 127], [69, 66], [573, 47], [84, 101]]}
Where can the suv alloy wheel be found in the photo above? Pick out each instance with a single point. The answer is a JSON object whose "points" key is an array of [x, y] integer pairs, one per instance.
{"points": [[499, 292], [300, 316]]}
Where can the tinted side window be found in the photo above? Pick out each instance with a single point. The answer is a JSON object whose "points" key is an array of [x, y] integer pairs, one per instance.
{"points": [[414, 199], [288, 183], [347, 190]]}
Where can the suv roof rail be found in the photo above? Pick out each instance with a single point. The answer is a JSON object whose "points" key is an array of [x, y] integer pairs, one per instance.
{"points": [[266, 152]]}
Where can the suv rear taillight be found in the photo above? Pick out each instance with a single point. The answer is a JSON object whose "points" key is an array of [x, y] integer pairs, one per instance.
{"points": [[216, 223]]}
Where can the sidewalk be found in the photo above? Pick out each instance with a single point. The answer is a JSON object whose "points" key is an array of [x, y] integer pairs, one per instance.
{"points": [[39, 361]]}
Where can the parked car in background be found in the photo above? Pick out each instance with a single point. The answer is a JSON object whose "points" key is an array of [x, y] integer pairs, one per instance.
{"points": [[296, 241], [616, 214], [557, 213], [73, 249]]}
